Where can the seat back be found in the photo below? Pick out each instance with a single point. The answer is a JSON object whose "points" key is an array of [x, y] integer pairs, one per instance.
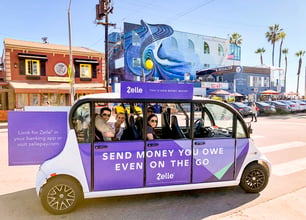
{"points": [[139, 125], [131, 132], [176, 131], [165, 122]]}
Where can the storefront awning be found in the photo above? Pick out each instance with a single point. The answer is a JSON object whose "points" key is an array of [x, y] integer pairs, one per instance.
{"points": [[24, 87], [86, 61], [32, 56]]}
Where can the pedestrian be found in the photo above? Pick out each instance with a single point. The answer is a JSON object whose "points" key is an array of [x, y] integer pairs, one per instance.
{"points": [[254, 110]]}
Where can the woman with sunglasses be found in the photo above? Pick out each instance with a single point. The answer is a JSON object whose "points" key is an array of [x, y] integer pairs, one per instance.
{"points": [[152, 124]]}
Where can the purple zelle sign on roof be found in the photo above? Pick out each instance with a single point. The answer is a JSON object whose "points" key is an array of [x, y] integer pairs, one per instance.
{"points": [[140, 90], [34, 137]]}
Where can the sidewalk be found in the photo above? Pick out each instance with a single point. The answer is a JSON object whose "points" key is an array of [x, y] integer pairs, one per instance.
{"points": [[290, 206]]}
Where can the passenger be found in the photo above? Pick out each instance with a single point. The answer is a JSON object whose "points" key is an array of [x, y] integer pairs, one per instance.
{"points": [[152, 124], [150, 110], [103, 129], [118, 126]]}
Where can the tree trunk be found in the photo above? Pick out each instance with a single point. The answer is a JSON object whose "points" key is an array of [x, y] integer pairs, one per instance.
{"points": [[280, 54], [298, 76], [286, 66], [273, 47]]}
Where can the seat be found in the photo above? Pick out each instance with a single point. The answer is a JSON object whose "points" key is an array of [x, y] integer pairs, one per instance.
{"points": [[165, 122], [131, 132], [176, 131], [139, 125]]}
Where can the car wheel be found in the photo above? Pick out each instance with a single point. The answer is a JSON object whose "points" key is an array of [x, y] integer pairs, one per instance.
{"points": [[254, 178], [60, 195]]}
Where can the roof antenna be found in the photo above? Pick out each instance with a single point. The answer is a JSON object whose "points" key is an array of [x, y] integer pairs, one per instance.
{"points": [[45, 40]]}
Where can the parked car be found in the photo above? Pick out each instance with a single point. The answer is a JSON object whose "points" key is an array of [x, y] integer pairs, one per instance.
{"points": [[301, 104], [293, 106], [242, 108], [264, 108], [280, 107]]}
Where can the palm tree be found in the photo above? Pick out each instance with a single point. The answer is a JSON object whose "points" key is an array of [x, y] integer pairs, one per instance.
{"points": [[285, 52], [235, 38], [272, 36], [299, 54], [260, 51], [282, 36]]}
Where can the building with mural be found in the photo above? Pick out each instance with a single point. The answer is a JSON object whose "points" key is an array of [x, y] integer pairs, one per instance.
{"points": [[150, 52], [157, 52]]}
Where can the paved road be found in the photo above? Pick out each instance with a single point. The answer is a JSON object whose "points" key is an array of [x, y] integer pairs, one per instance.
{"points": [[282, 138]]}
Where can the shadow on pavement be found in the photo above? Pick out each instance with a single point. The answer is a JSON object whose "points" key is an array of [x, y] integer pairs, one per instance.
{"points": [[196, 204]]}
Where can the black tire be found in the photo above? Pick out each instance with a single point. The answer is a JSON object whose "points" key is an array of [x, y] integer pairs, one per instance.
{"points": [[60, 195], [254, 178]]}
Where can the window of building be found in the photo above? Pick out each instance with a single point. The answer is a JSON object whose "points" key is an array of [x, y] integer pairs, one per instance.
{"points": [[136, 62], [219, 78], [35, 99], [85, 71], [32, 67], [266, 81], [206, 48], [208, 78], [173, 43], [220, 50], [22, 100], [190, 46], [250, 81]]}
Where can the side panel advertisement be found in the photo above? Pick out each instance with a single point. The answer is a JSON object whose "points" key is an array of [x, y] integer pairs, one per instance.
{"points": [[34, 137], [213, 160], [168, 162], [118, 165]]}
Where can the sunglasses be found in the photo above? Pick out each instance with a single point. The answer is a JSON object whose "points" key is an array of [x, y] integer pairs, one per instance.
{"points": [[106, 115], [154, 121], [150, 111]]}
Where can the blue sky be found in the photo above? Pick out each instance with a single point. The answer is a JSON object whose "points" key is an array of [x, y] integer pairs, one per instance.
{"points": [[34, 19]]}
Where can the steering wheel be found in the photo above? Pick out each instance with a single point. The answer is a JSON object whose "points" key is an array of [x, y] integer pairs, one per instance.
{"points": [[199, 123]]}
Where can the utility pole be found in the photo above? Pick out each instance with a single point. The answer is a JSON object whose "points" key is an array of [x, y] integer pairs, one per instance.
{"points": [[70, 68], [102, 11]]}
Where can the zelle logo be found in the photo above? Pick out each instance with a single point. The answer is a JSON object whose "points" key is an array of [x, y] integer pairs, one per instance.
{"points": [[165, 176], [134, 90]]}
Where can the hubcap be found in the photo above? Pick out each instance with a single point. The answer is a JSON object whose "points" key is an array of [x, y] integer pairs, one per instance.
{"points": [[61, 197]]}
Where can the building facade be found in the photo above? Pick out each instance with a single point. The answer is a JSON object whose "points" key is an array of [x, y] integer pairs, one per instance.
{"points": [[245, 80], [36, 74]]}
